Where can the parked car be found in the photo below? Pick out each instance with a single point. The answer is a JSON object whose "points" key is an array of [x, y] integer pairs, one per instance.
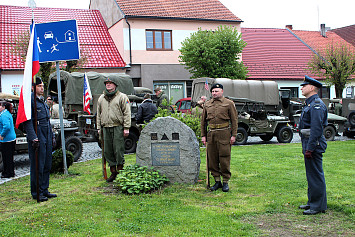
{"points": [[183, 105]]}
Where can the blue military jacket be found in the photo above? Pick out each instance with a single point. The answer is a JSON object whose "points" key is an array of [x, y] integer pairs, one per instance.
{"points": [[314, 117], [43, 121]]}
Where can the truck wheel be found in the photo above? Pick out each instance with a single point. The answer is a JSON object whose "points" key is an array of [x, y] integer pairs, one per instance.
{"points": [[1, 164], [266, 137], [284, 135], [352, 119], [130, 143], [75, 146], [242, 137], [329, 133]]}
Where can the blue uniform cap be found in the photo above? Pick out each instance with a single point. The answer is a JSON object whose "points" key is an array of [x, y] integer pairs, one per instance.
{"points": [[38, 81], [311, 81], [217, 85]]}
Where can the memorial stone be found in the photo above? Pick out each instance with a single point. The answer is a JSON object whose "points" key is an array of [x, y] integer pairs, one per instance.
{"points": [[171, 147]]}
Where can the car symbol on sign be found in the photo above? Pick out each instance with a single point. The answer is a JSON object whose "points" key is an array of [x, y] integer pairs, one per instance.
{"points": [[48, 35]]}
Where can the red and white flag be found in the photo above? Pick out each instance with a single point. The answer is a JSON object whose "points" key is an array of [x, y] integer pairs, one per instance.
{"points": [[86, 95], [31, 69]]}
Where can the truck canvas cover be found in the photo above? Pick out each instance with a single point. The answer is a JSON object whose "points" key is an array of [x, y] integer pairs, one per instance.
{"points": [[72, 84], [265, 91]]}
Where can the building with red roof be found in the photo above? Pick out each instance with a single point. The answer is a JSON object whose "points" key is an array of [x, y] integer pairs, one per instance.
{"points": [[95, 41], [276, 54], [152, 32], [319, 42], [347, 33]]}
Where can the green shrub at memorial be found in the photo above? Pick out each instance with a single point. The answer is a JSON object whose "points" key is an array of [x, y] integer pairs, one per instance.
{"points": [[194, 122], [135, 179], [57, 161]]}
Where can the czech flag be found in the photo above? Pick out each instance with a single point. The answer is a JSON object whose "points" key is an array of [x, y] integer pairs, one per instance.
{"points": [[86, 95], [31, 69]]}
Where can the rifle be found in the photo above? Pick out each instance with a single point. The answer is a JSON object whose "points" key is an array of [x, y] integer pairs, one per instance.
{"points": [[207, 171], [104, 172]]}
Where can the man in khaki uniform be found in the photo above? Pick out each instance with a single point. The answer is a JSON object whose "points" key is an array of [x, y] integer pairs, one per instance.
{"points": [[220, 115], [114, 118]]}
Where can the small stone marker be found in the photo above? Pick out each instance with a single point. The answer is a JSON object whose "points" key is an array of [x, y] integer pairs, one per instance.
{"points": [[171, 147]]}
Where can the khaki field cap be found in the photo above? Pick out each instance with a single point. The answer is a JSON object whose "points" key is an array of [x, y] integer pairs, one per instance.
{"points": [[157, 89]]}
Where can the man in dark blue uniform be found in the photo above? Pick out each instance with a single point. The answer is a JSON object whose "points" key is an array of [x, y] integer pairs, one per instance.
{"points": [[41, 141], [313, 120]]}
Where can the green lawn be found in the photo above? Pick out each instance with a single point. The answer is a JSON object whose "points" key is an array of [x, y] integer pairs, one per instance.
{"points": [[268, 184]]}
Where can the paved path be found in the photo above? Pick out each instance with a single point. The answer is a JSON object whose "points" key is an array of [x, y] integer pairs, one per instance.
{"points": [[91, 151]]}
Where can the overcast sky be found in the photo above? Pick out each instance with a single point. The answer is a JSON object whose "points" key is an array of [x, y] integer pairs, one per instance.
{"points": [[302, 14]]}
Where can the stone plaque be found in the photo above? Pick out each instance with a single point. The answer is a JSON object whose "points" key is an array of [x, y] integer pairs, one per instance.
{"points": [[166, 153], [171, 147]]}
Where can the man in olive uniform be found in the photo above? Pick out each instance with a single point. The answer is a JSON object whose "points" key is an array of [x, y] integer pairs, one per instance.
{"points": [[41, 140], [114, 118], [312, 121], [220, 115], [161, 96], [197, 111]]}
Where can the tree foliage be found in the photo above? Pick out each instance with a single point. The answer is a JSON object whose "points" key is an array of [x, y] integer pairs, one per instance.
{"points": [[336, 64], [216, 54]]}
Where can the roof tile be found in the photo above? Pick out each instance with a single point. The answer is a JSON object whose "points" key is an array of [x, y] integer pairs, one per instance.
{"points": [[275, 54], [186, 9], [95, 41], [347, 33]]}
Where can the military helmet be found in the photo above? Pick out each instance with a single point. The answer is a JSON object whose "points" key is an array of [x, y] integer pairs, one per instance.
{"points": [[112, 80]]}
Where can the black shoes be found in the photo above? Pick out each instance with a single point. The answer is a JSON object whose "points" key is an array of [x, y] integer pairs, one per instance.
{"points": [[216, 186], [5, 176], [312, 212], [304, 207], [50, 195], [41, 198], [225, 187]]}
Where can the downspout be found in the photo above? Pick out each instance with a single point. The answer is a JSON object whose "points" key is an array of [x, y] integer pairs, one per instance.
{"points": [[130, 41]]}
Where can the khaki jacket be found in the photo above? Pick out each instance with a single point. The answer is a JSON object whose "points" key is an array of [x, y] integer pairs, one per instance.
{"points": [[219, 111], [116, 112]]}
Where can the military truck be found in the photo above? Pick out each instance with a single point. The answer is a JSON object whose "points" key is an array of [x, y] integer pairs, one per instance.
{"points": [[346, 108], [72, 94], [253, 120], [72, 140], [258, 106]]}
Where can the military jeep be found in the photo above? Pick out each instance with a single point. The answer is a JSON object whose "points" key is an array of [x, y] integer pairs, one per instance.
{"points": [[254, 121]]}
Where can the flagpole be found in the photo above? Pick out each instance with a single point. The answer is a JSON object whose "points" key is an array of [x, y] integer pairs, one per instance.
{"points": [[61, 118]]}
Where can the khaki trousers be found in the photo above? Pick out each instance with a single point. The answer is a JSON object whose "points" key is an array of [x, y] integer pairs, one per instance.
{"points": [[219, 153], [114, 145]]}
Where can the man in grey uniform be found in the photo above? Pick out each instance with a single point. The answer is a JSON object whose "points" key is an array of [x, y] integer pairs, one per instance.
{"points": [[313, 120]]}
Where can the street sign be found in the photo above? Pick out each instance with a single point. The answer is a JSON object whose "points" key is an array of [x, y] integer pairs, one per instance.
{"points": [[58, 41]]}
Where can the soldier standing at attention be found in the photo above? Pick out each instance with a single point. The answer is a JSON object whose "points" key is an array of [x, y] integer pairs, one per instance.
{"points": [[41, 141], [219, 113], [313, 120], [114, 118]]}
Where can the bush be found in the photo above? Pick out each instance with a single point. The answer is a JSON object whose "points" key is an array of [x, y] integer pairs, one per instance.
{"points": [[135, 179], [194, 122], [57, 160]]}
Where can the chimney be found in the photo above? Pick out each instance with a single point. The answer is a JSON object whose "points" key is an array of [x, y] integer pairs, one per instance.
{"points": [[322, 30], [289, 27]]}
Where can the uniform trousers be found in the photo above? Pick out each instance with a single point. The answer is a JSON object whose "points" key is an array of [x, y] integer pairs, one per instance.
{"points": [[219, 153], [44, 134], [114, 145], [317, 195]]}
